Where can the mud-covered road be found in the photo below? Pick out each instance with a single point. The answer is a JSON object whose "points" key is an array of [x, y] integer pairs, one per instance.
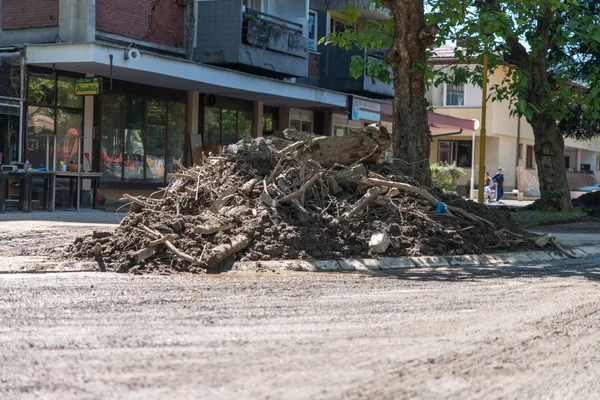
{"points": [[513, 333]]}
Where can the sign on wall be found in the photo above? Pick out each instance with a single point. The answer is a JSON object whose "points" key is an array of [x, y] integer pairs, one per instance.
{"points": [[365, 110], [88, 86]]}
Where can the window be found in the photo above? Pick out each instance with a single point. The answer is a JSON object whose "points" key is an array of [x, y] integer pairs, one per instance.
{"points": [[10, 77], [223, 127], [339, 26], [141, 138], [301, 120], [567, 162], [455, 95], [455, 152], [53, 110], [267, 123], [529, 157], [312, 30], [598, 163], [254, 4]]}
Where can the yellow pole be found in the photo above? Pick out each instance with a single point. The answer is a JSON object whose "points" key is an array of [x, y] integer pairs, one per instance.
{"points": [[482, 132]]}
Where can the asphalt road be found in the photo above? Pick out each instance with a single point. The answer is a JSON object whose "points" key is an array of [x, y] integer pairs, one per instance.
{"points": [[512, 333]]}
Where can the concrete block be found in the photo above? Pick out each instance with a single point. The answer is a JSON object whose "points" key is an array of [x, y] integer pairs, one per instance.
{"points": [[363, 264], [258, 34], [541, 256], [429, 262], [396, 263], [514, 258], [297, 265], [490, 259], [298, 46], [379, 242], [325, 265], [591, 250], [464, 260], [579, 253], [279, 40]]}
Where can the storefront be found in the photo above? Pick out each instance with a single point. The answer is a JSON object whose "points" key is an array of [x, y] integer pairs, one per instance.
{"points": [[225, 121], [140, 134]]}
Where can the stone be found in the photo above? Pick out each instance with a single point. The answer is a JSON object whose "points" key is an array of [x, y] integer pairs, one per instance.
{"points": [[379, 242], [543, 241]]}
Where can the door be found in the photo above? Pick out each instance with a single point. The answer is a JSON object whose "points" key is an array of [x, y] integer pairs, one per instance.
{"points": [[9, 135]]}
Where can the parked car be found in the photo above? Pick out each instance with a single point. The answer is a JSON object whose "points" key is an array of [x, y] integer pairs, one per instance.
{"points": [[588, 188]]}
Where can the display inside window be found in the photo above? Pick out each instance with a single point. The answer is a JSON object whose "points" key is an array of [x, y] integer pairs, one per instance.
{"points": [[152, 132], [455, 95], [224, 127], [455, 152]]}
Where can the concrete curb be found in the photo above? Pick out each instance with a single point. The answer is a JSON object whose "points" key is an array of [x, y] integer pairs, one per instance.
{"points": [[387, 264]]}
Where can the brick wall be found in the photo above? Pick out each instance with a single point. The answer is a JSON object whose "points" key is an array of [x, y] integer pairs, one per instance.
{"points": [[24, 14], [155, 21]]}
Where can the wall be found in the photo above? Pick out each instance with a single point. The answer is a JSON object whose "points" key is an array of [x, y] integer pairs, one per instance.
{"points": [[18, 26], [472, 94], [156, 21]]}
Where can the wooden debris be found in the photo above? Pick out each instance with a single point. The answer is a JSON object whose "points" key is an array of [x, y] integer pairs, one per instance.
{"points": [[213, 228], [224, 251]]}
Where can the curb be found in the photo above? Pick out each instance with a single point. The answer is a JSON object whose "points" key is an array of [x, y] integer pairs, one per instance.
{"points": [[387, 264]]}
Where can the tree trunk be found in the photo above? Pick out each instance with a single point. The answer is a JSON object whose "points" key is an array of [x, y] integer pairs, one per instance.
{"points": [[410, 135], [549, 152]]}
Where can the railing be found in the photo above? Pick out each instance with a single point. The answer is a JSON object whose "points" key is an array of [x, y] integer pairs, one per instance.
{"points": [[580, 178], [275, 21]]}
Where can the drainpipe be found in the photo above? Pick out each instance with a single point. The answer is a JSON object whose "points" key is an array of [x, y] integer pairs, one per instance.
{"points": [[518, 147], [22, 134]]}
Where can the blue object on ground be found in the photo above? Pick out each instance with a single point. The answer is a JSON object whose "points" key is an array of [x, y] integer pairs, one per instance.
{"points": [[40, 169], [441, 208]]}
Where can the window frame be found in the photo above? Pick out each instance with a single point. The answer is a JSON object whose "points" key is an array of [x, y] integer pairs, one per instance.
{"points": [[122, 126], [529, 157], [55, 75], [237, 123], [447, 92], [454, 151], [313, 47]]}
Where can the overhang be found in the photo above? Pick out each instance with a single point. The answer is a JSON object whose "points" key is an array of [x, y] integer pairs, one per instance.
{"points": [[163, 71]]}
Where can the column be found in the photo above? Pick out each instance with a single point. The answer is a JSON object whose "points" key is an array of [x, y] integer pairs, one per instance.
{"points": [[88, 134], [192, 123], [257, 118], [578, 158], [284, 118]]}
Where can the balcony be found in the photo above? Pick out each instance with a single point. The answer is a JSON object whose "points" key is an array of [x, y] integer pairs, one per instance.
{"points": [[248, 40], [335, 72]]}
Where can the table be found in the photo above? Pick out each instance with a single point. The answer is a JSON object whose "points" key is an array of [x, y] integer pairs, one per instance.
{"points": [[75, 179], [49, 177], [25, 189]]}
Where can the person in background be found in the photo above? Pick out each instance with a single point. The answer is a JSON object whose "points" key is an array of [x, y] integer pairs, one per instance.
{"points": [[498, 178], [487, 188]]}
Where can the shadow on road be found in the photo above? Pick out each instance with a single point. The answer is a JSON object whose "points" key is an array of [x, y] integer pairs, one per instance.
{"points": [[588, 269]]}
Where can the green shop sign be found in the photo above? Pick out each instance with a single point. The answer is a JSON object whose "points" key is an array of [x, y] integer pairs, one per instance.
{"points": [[88, 86]]}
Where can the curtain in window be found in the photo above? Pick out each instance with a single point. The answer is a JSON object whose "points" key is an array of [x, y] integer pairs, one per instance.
{"points": [[455, 95]]}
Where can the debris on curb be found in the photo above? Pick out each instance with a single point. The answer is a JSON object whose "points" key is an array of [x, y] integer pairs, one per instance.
{"points": [[316, 198]]}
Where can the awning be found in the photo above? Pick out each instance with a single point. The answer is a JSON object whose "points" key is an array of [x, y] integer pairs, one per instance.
{"points": [[163, 71], [439, 121]]}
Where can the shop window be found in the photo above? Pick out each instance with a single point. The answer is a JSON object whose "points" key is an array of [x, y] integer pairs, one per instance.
{"points": [[10, 77], [156, 140], [529, 157], [455, 95], [267, 124], [301, 120], [133, 154], [223, 127], [141, 138], [455, 152], [54, 116], [176, 136], [312, 30]]}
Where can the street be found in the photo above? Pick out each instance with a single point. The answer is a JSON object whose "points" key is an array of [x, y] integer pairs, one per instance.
{"points": [[460, 333]]}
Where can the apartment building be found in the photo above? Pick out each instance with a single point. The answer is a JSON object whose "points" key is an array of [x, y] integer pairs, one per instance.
{"points": [[169, 69], [509, 140], [133, 81]]}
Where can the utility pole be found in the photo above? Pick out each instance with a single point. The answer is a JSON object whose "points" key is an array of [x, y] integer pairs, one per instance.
{"points": [[483, 131]]}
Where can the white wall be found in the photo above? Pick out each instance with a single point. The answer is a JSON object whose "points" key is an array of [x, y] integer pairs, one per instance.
{"points": [[472, 94]]}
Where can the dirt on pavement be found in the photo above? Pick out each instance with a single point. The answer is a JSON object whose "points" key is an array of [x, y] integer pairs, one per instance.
{"points": [[426, 334]]}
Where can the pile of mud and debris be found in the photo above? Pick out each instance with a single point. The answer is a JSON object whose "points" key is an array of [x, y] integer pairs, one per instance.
{"points": [[292, 196]]}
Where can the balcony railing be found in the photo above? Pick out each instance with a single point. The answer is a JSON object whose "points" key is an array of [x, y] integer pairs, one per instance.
{"points": [[274, 33]]}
